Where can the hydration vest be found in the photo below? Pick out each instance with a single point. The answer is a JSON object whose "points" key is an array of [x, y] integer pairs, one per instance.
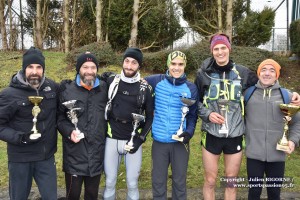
{"points": [[112, 91], [232, 88]]}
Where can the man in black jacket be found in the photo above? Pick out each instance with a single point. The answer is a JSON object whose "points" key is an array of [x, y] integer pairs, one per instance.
{"points": [[128, 97], [83, 148], [30, 157]]}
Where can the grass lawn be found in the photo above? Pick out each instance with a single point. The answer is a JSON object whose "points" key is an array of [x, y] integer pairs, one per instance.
{"points": [[57, 69]]}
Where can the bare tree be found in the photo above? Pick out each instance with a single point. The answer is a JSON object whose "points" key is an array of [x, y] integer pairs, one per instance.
{"points": [[220, 24], [2, 23], [99, 8], [38, 21], [108, 16], [134, 26], [66, 32], [229, 15]]}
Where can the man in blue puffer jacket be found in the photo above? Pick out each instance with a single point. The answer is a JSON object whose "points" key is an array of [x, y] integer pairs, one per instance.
{"points": [[168, 89]]}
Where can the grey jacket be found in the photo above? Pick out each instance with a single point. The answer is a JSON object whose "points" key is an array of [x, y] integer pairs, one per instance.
{"points": [[264, 124], [234, 115]]}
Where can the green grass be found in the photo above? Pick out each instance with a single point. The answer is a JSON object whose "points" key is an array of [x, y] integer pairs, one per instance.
{"points": [[57, 69]]}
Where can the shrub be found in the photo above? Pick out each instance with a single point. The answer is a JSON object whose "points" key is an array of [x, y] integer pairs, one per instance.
{"points": [[250, 57], [294, 36], [103, 52]]}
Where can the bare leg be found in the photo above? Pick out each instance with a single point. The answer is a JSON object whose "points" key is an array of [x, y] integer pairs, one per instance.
{"points": [[210, 164], [232, 168]]}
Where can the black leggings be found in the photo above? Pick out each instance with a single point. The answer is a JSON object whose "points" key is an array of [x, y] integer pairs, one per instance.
{"points": [[74, 183], [256, 170]]}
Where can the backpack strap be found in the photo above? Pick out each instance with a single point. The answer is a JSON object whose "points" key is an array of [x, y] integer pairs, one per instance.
{"points": [[285, 95], [248, 94], [112, 91], [141, 97]]}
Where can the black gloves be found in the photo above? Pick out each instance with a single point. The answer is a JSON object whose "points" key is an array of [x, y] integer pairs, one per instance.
{"points": [[137, 142], [105, 75], [25, 138], [186, 137]]}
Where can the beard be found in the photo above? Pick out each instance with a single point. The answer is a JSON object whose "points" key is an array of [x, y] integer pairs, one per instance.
{"points": [[86, 81], [34, 79], [129, 73]]}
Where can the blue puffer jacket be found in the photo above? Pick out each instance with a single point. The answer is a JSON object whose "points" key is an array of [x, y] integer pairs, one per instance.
{"points": [[167, 113]]}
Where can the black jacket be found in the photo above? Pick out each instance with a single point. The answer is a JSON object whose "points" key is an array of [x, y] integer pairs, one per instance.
{"points": [[16, 119], [84, 158]]}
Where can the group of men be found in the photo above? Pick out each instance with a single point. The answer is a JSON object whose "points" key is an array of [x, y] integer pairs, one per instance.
{"points": [[103, 119]]}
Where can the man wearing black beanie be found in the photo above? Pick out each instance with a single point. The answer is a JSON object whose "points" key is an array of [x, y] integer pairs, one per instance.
{"points": [[128, 97], [83, 151], [30, 155]]}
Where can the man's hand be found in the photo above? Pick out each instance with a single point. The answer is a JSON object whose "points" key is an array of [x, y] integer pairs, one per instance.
{"points": [[291, 147], [74, 137], [137, 142], [25, 139], [216, 118], [186, 137], [295, 99]]}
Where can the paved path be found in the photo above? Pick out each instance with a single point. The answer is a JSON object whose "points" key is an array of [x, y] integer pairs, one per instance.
{"points": [[145, 194]]}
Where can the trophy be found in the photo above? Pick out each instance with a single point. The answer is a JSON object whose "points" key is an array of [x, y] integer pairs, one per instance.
{"points": [[289, 110], [223, 111], [184, 110], [136, 122], [35, 100], [73, 116]]}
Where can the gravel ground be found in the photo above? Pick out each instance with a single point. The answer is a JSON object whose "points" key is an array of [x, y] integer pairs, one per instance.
{"points": [[193, 194]]}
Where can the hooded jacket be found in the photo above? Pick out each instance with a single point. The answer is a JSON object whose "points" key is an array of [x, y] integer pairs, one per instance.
{"points": [[84, 158], [264, 124], [234, 112], [16, 119], [167, 112]]}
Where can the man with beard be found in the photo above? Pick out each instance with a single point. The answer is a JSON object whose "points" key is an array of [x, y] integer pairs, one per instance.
{"points": [[83, 148], [127, 95], [30, 157]]}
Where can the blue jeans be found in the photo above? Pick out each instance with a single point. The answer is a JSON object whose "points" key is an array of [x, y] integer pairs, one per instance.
{"points": [[21, 174]]}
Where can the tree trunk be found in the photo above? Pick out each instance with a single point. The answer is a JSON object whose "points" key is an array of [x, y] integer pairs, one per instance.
{"points": [[21, 20], [38, 21], [229, 14], [134, 26], [3, 27], [66, 32], [220, 24], [10, 25], [108, 17], [99, 8]]}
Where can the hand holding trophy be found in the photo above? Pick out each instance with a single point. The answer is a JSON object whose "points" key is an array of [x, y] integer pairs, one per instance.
{"points": [[289, 110], [137, 118], [73, 116], [36, 100], [223, 111], [184, 111]]}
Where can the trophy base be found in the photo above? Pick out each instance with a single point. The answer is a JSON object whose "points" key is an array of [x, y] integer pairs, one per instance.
{"points": [[223, 132], [176, 137], [80, 136], [128, 147], [35, 136], [281, 147]]}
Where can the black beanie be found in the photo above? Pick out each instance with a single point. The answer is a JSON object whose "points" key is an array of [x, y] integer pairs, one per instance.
{"points": [[86, 57], [33, 56], [135, 53]]}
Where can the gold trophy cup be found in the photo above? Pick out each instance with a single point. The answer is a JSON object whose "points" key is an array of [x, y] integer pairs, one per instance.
{"points": [[289, 111], [35, 100]]}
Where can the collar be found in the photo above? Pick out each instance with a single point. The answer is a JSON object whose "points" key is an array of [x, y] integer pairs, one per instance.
{"points": [[136, 78]]}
